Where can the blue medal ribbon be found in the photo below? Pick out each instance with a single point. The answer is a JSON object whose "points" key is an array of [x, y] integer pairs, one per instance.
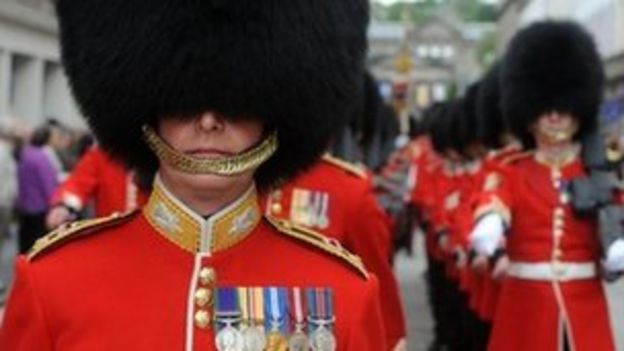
{"points": [[227, 303], [275, 303], [320, 307]]}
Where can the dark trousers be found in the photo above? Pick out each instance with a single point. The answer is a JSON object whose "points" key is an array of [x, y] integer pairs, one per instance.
{"points": [[31, 228], [435, 281]]}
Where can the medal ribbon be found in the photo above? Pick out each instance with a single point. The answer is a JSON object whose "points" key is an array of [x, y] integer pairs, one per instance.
{"points": [[320, 303], [257, 305], [324, 210], [276, 308], [297, 308], [227, 302], [243, 297]]}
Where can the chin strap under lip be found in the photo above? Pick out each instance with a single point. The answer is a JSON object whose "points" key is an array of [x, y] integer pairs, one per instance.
{"points": [[226, 166]]}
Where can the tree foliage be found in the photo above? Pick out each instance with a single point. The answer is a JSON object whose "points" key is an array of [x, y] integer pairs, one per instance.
{"points": [[417, 12]]}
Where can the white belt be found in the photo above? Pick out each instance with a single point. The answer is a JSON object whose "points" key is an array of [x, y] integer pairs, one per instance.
{"points": [[562, 271]]}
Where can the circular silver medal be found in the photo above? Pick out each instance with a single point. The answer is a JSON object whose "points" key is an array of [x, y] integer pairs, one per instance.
{"points": [[298, 341], [323, 340], [229, 339], [254, 339]]}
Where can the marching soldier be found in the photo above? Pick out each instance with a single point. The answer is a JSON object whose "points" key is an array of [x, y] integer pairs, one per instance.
{"points": [[552, 297], [494, 135], [218, 100], [335, 198]]}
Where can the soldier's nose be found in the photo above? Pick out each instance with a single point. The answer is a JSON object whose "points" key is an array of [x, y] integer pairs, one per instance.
{"points": [[210, 121]]}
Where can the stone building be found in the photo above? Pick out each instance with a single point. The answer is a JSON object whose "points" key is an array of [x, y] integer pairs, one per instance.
{"points": [[32, 83], [443, 54]]}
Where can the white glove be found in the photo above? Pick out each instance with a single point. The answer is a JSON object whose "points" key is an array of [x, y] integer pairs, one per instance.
{"points": [[487, 234], [614, 262], [400, 346]]}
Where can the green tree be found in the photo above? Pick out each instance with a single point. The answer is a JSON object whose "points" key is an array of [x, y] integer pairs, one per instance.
{"points": [[417, 12]]}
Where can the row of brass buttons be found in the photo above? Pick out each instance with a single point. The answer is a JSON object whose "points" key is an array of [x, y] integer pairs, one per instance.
{"points": [[203, 297]]}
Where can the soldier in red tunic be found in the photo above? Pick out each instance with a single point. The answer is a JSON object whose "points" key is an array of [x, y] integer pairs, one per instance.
{"points": [[99, 178], [336, 199], [552, 297], [494, 134], [219, 100]]}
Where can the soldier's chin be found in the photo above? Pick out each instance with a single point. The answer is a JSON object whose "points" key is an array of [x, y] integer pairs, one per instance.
{"points": [[213, 182]]}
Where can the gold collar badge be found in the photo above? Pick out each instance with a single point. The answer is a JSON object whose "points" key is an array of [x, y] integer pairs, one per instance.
{"points": [[190, 231]]}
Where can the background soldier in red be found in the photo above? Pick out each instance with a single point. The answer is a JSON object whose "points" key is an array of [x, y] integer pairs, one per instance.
{"points": [[98, 178], [553, 297], [336, 199]]}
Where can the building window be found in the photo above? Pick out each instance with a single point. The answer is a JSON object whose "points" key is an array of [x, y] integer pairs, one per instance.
{"points": [[422, 51], [436, 51], [439, 92], [448, 51]]}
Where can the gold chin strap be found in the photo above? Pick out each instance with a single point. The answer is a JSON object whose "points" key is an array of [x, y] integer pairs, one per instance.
{"points": [[226, 166]]}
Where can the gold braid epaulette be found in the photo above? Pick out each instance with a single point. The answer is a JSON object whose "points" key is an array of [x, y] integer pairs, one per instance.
{"points": [[516, 157], [345, 165], [320, 241], [76, 229]]}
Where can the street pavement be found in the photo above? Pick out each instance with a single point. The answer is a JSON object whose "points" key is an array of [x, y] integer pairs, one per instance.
{"points": [[410, 273]]}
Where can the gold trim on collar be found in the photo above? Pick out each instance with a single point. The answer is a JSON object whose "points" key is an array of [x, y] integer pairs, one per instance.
{"points": [[560, 159], [223, 166], [191, 232]]}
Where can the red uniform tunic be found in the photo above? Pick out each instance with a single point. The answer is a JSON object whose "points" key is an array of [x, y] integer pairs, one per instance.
{"points": [[147, 281], [424, 196], [337, 200], [98, 177], [491, 177], [546, 291]]}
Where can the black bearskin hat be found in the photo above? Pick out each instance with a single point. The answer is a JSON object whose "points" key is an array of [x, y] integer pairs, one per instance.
{"points": [[551, 66], [455, 116], [491, 124], [297, 65], [468, 125]]}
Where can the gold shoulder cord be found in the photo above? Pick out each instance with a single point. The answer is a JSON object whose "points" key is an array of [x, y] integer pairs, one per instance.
{"points": [[345, 165], [223, 166], [74, 229], [320, 241]]}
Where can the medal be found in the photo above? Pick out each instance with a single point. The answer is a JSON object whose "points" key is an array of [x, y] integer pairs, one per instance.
{"points": [[321, 320], [254, 339], [229, 338], [322, 220], [298, 340], [323, 339], [253, 336], [276, 340]]}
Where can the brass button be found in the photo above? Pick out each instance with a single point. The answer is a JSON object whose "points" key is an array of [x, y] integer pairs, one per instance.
{"points": [[558, 232], [202, 297], [207, 276], [558, 223], [559, 212], [276, 208], [202, 319]]}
